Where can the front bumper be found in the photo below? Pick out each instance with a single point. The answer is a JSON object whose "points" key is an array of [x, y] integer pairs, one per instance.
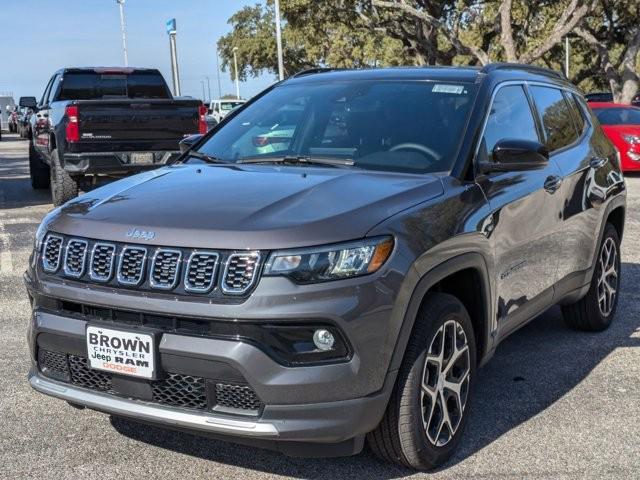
{"points": [[318, 405], [112, 163]]}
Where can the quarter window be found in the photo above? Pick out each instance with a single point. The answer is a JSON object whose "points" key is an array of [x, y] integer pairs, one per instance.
{"points": [[578, 114], [510, 118], [556, 117]]}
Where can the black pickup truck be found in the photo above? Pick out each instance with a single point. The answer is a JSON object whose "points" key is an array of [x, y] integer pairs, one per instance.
{"points": [[94, 122]]}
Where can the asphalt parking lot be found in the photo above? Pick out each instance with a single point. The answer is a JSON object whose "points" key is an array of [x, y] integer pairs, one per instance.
{"points": [[552, 403]]}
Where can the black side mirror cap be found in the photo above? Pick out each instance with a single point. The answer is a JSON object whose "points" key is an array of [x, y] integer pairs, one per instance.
{"points": [[512, 155], [187, 142]]}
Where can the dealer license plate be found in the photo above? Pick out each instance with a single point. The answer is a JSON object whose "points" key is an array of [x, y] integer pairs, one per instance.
{"points": [[142, 158], [124, 353]]}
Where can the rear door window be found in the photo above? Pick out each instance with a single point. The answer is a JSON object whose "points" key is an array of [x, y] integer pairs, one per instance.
{"points": [[510, 118], [557, 120], [578, 113]]}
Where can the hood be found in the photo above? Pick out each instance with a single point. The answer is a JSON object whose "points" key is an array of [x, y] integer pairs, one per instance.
{"points": [[243, 206]]}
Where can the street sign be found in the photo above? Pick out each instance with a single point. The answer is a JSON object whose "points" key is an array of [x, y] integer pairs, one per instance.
{"points": [[171, 26]]}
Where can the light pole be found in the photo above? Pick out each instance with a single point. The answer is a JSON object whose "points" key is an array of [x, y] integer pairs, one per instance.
{"points": [[124, 33], [204, 99], [218, 73], [208, 87], [235, 63], [279, 42], [171, 30]]}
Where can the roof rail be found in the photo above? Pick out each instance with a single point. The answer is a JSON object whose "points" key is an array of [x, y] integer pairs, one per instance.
{"points": [[311, 71], [492, 67]]}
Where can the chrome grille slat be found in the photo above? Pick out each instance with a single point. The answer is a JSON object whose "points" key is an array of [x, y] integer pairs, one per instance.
{"points": [[75, 256], [102, 259], [200, 274], [131, 265], [240, 272], [165, 268], [52, 253]]}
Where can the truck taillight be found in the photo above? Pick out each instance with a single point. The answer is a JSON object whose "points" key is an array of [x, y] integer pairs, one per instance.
{"points": [[202, 123], [73, 126]]}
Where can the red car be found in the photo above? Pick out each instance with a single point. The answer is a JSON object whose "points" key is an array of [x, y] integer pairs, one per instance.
{"points": [[621, 123]]}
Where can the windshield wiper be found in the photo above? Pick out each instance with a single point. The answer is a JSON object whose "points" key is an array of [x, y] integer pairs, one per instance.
{"points": [[301, 160], [205, 157]]}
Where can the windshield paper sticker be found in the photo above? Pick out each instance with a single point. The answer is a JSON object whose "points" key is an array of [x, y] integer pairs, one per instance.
{"points": [[442, 88]]}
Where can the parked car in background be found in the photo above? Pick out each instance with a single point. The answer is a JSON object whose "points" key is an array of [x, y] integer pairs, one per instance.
{"points": [[346, 283], [621, 123], [13, 119], [7, 104], [94, 122], [608, 98], [219, 109]]}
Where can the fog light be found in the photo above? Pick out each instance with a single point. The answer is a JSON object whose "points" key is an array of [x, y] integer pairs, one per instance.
{"points": [[323, 339]]}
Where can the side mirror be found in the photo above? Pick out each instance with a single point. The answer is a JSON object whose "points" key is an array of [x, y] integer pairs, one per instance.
{"points": [[29, 102], [512, 155], [188, 142]]}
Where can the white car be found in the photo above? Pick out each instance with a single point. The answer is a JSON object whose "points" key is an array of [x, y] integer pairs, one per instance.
{"points": [[219, 108]]}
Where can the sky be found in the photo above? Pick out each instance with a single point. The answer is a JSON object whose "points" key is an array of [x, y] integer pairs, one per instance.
{"points": [[38, 37]]}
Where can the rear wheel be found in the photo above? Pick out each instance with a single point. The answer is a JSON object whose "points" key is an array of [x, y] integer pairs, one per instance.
{"points": [[428, 408], [38, 170], [63, 186], [595, 311]]}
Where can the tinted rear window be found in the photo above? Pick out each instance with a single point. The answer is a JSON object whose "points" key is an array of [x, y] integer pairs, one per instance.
{"points": [[556, 117], [90, 85], [618, 116]]}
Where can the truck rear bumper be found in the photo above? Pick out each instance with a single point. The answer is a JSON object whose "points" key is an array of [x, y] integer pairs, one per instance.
{"points": [[112, 163]]}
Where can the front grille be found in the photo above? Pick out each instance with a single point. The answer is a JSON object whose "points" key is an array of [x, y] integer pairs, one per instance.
{"points": [[131, 266], [51, 253], [83, 376], [240, 397], [75, 257], [165, 267], [102, 259], [227, 276], [181, 391], [240, 272], [176, 389], [53, 364], [201, 272]]}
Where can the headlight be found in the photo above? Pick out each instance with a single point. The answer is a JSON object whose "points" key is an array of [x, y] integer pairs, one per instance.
{"points": [[631, 139], [332, 262]]}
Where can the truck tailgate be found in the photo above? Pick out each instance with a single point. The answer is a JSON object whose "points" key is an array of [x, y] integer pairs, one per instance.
{"points": [[137, 121]]}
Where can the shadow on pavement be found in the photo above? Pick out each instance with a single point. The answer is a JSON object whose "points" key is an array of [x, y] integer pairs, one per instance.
{"points": [[531, 370]]}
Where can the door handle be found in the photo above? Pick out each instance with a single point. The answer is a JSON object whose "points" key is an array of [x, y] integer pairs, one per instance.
{"points": [[598, 162], [552, 183]]}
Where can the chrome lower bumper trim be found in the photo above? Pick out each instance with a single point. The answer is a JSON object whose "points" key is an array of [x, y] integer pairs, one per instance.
{"points": [[153, 413]]}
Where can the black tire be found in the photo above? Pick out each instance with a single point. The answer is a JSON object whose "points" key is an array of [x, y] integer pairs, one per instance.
{"points": [[63, 186], [589, 314], [401, 437]]}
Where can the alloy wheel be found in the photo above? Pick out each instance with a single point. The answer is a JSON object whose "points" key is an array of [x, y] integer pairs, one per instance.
{"points": [[608, 278], [445, 383]]}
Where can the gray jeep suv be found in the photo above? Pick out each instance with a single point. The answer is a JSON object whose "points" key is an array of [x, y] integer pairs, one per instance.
{"points": [[333, 261]]}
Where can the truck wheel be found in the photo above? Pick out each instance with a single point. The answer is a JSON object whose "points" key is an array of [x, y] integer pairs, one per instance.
{"points": [[63, 187], [38, 170], [429, 405], [595, 311]]}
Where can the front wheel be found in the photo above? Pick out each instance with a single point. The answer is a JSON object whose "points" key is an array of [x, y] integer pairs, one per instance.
{"points": [[428, 408], [595, 311]]}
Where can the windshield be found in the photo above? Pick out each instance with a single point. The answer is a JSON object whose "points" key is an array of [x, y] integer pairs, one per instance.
{"points": [[618, 116], [410, 126]]}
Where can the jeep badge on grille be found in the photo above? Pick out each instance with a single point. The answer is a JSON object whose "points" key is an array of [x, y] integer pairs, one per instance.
{"points": [[141, 234]]}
